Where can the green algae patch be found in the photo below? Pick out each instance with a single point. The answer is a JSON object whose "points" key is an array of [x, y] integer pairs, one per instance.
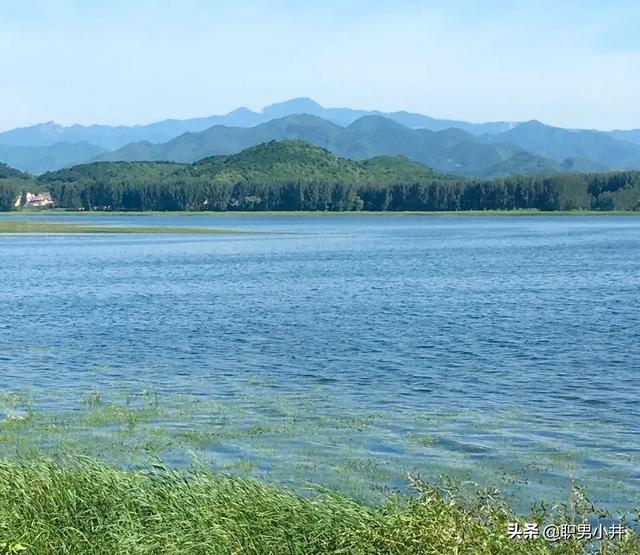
{"points": [[21, 226]]}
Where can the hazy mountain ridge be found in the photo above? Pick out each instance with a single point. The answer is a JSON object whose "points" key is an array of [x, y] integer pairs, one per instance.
{"points": [[520, 150], [462, 147], [450, 151], [39, 159], [114, 137], [559, 144], [630, 135]]}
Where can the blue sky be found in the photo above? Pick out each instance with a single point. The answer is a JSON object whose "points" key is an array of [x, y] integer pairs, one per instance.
{"points": [[570, 63]]}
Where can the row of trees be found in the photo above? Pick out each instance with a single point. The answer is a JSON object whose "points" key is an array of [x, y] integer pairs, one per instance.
{"points": [[619, 191], [9, 190]]}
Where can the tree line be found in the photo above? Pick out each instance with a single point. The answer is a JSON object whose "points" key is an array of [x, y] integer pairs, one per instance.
{"points": [[611, 191], [10, 188]]}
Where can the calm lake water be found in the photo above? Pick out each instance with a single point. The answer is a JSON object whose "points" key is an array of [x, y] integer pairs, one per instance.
{"points": [[343, 351]]}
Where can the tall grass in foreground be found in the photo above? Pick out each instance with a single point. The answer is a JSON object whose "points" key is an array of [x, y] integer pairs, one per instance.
{"points": [[85, 508]]}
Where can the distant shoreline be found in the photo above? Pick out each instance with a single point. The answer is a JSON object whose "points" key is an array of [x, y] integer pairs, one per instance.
{"points": [[311, 213]]}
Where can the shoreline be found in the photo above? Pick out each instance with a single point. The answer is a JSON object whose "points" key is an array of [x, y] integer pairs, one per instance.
{"points": [[310, 213]]}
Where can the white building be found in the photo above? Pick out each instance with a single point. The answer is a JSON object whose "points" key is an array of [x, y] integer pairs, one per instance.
{"points": [[35, 200]]}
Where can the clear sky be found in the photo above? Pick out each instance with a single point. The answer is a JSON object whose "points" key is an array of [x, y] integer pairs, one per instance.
{"points": [[574, 63]]}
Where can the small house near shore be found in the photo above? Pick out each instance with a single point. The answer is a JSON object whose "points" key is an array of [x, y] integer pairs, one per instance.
{"points": [[34, 200]]}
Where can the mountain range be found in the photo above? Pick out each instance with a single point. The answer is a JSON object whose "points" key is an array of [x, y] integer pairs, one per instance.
{"points": [[452, 146], [451, 150]]}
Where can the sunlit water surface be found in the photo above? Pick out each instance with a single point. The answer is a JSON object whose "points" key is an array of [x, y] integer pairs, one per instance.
{"points": [[341, 351]]}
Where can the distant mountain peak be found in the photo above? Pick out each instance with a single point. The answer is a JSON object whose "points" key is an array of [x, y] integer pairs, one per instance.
{"points": [[299, 119], [50, 127], [46, 126], [376, 123], [302, 105], [243, 110], [534, 123]]}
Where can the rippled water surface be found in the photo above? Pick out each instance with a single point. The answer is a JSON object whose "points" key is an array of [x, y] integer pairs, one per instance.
{"points": [[343, 351]]}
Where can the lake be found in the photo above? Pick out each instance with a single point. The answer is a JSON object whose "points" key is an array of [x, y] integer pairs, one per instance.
{"points": [[342, 351]]}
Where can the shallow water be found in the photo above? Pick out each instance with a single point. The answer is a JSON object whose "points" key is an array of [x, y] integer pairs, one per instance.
{"points": [[347, 351]]}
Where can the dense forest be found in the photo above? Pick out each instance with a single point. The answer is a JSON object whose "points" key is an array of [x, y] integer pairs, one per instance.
{"points": [[8, 193], [12, 183], [292, 175]]}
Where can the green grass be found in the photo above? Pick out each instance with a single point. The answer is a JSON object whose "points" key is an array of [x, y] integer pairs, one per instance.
{"points": [[82, 507], [20, 226]]}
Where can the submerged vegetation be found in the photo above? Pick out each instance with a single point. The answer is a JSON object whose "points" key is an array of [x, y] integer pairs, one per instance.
{"points": [[53, 227], [270, 436], [83, 507], [215, 491]]}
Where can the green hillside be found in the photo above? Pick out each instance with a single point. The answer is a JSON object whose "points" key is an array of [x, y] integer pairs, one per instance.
{"points": [[280, 161], [113, 172], [272, 162], [524, 163], [390, 169], [293, 175], [7, 171], [264, 171], [582, 165]]}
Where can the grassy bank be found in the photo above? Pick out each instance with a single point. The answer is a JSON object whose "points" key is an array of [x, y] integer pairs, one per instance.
{"points": [[21, 226], [86, 508]]}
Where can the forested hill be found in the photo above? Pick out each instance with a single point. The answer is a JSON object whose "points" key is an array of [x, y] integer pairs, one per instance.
{"points": [[282, 161], [12, 182], [293, 175], [7, 172]]}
